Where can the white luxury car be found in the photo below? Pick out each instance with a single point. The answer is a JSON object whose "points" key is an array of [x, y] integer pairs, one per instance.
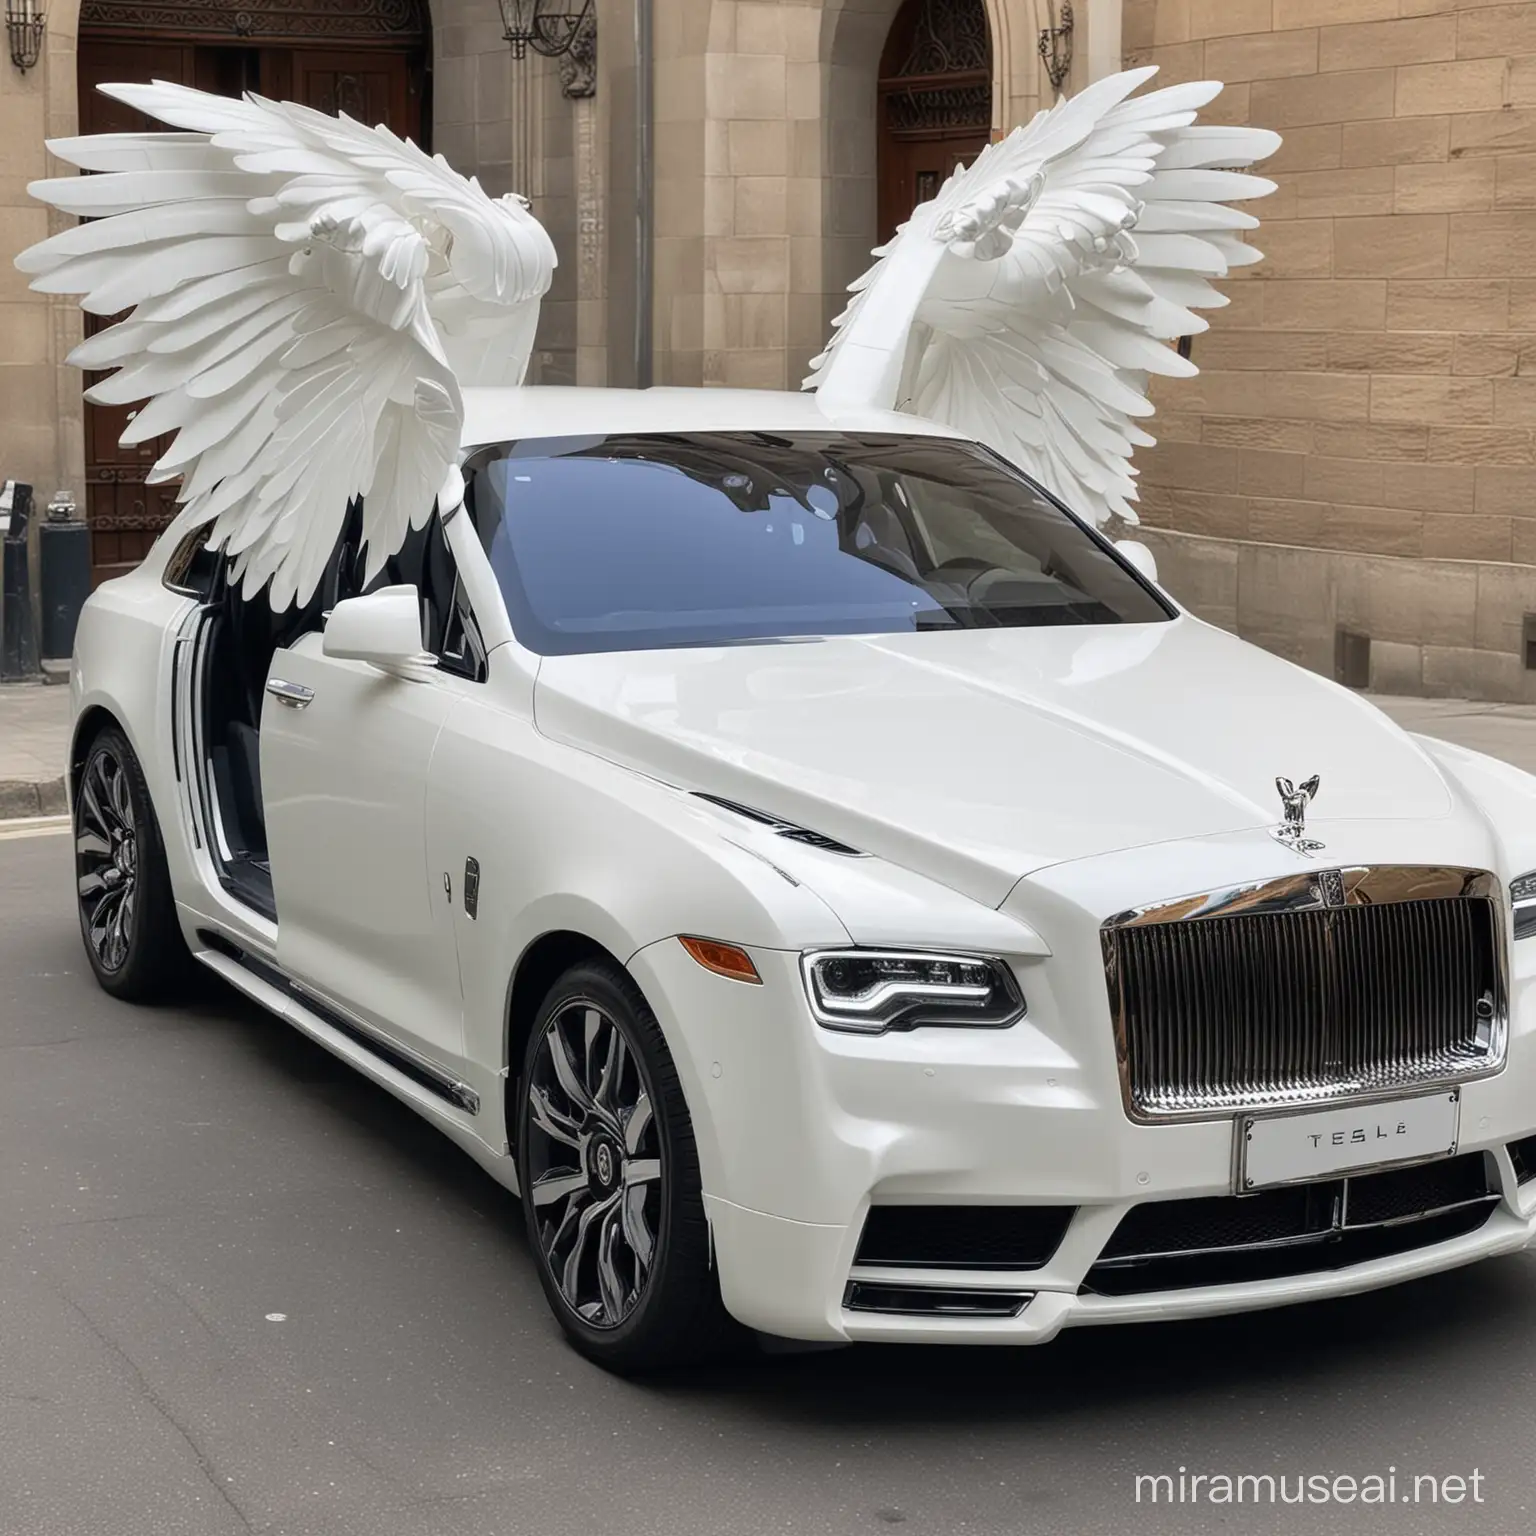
{"points": [[836, 886]]}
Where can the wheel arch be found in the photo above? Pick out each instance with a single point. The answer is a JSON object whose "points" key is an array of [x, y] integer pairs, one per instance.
{"points": [[93, 720], [538, 968]]}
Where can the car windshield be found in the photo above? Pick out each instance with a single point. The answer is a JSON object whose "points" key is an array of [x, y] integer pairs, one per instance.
{"points": [[623, 543]]}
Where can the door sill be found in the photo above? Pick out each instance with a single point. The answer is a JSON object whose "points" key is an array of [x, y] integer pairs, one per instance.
{"points": [[407, 1063], [249, 881]]}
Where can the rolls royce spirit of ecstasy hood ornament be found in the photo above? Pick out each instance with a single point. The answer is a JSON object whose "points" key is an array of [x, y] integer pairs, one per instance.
{"points": [[1293, 831]]}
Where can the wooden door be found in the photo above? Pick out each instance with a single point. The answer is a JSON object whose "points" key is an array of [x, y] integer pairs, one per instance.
{"points": [[373, 84], [935, 101], [370, 88], [912, 171], [125, 514]]}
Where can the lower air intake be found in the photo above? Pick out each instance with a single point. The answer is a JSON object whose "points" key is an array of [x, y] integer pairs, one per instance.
{"points": [[1167, 1245], [993, 1237], [1522, 1154]]}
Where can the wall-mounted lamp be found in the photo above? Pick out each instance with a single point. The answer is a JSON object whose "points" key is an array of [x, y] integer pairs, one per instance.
{"points": [[557, 29], [24, 24], [1056, 43]]}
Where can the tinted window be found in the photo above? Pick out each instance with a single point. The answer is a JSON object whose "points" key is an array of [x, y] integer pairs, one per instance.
{"points": [[193, 568], [629, 543]]}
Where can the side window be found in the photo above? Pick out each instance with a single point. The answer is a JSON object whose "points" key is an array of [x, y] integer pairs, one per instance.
{"points": [[423, 561], [193, 569], [462, 652], [448, 624]]}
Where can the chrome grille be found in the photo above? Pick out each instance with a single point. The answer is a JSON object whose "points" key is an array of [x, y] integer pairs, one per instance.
{"points": [[1329, 985]]}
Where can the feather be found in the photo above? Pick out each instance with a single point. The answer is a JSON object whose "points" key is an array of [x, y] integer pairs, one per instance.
{"points": [[1030, 301], [138, 152]]}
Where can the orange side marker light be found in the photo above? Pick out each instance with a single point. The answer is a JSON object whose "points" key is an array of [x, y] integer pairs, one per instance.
{"points": [[723, 959]]}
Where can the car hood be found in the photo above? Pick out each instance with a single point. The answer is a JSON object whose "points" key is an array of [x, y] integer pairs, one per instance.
{"points": [[980, 757]]}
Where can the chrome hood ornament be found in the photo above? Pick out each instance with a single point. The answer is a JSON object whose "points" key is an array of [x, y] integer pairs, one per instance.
{"points": [[1293, 830]]}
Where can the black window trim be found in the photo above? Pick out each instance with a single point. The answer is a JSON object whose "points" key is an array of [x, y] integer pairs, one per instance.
{"points": [[181, 561]]}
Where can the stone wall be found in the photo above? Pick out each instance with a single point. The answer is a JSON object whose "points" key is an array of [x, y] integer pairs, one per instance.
{"points": [[766, 168], [40, 405], [506, 121], [1369, 398], [1442, 628]]}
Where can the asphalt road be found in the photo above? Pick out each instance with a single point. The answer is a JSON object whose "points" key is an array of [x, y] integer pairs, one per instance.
{"points": [[242, 1290]]}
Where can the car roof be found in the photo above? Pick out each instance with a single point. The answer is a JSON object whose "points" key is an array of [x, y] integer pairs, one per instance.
{"points": [[503, 415]]}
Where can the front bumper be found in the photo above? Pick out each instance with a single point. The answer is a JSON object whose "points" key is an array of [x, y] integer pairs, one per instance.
{"points": [[801, 1130], [788, 1278]]}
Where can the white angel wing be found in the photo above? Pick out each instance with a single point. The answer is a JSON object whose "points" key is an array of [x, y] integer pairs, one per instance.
{"points": [[1027, 303], [302, 289]]}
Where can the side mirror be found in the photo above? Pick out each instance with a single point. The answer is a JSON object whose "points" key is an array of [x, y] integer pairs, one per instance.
{"points": [[1137, 554], [383, 629]]}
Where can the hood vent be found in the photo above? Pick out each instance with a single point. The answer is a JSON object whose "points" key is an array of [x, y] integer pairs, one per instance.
{"points": [[796, 834]]}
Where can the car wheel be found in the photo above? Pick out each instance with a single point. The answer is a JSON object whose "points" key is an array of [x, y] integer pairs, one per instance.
{"points": [[123, 888], [610, 1180]]}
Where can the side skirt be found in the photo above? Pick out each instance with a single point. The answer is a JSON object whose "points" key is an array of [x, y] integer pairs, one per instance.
{"points": [[275, 990]]}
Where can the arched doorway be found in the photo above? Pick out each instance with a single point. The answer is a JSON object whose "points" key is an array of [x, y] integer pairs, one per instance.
{"points": [[935, 101], [367, 58]]}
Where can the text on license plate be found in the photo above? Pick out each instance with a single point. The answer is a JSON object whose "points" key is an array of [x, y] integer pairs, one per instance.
{"points": [[1288, 1149]]}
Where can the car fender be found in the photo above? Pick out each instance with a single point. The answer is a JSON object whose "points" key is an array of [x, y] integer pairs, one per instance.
{"points": [[567, 843], [1504, 795]]}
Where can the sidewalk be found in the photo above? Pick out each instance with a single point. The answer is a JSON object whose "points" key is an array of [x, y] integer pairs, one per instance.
{"points": [[34, 738], [34, 741], [1500, 730]]}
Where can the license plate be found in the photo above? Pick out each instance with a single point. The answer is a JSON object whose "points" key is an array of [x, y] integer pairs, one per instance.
{"points": [[1291, 1149]]}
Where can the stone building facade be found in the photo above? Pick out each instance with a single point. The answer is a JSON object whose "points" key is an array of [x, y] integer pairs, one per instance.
{"points": [[1344, 483], [764, 189], [1357, 460]]}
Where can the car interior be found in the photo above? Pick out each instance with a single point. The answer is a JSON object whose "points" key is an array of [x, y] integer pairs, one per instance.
{"points": [[241, 636]]}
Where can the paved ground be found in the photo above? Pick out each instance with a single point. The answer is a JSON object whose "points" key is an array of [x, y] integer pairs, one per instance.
{"points": [[241, 1290], [34, 738], [1502, 730]]}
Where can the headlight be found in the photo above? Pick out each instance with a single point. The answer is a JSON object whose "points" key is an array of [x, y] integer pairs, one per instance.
{"points": [[1522, 893], [873, 990]]}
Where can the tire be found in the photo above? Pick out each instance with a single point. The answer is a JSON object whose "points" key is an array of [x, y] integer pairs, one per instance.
{"points": [[611, 1135], [122, 884]]}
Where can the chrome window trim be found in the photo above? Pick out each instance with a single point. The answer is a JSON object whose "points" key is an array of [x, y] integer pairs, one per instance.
{"points": [[1313, 890]]}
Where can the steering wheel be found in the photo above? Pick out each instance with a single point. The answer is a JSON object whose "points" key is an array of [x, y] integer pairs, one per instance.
{"points": [[963, 571]]}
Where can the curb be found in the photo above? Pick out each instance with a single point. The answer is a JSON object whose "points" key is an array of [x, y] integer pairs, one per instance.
{"points": [[21, 798]]}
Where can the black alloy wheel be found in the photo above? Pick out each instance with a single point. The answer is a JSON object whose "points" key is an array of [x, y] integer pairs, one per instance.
{"points": [[123, 888], [610, 1179]]}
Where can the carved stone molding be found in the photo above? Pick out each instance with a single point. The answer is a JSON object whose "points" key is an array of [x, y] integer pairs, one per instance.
{"points": [[398, 21], [578, 66]]}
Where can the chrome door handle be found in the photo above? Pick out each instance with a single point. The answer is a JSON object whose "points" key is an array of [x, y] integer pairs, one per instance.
{"points": [[294, 695]]}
